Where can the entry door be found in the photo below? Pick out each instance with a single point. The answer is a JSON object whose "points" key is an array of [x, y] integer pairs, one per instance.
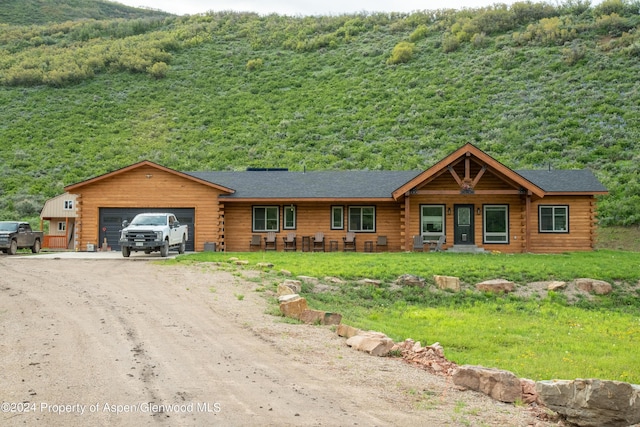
{"points": [[463, 225]]}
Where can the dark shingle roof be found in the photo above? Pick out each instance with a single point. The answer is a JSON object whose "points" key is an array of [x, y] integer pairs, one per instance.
{"points": [[579, 181], [313, 184], [367, 184]]}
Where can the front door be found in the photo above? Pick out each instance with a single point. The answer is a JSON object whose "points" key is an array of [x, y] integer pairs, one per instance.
{"points": [[463, 225]]}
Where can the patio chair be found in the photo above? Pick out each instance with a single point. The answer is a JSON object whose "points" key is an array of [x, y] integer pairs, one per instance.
{"points": [[255, 242], [418, 244], [381, 242], [270, 241], [437, 245], [290, 242], [349, 241], [318, 242]]}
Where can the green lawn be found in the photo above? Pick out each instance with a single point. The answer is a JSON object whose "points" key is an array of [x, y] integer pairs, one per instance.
{"points": [[537, 338]]}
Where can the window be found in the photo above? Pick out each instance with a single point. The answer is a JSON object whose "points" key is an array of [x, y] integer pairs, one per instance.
{"points": [[337, 217], [265, 218], [431, 222], [553, 219], [289, 217], [68, 205], [362, 218], [496, 224], [62, 226]]}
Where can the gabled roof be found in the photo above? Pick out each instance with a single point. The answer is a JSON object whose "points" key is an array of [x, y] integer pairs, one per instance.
{"points": [[565, 181], [309, 185], [143, 163]]}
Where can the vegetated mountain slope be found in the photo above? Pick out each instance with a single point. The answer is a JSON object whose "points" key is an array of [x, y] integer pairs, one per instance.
{"points": [[319, 92], [38, 12]]}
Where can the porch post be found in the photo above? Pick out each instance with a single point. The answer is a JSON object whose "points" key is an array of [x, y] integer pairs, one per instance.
{"points": [[407, 215], [527, 228]]}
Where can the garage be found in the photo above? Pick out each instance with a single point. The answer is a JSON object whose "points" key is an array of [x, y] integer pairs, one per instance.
{"points": [[111, 222]]}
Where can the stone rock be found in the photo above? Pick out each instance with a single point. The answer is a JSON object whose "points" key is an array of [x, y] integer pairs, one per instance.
{"points": [[285, 273], [374, 343], [496, 383], [347, 331], [264, 265], [318, 317], [371, 282], [447, 282], [410, 280], [294, 285], [293, 307], [309, 279], [598, 287], [496, 286], [529, 393], [334, 280], [241, 262], [592, 402], [285, 290], [430, 358], [556, 285], [288, 297], [233, 259]]}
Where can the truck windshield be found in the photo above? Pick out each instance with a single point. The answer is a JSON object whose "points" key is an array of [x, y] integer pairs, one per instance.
{"points": [[149, 220], [9, 226]]}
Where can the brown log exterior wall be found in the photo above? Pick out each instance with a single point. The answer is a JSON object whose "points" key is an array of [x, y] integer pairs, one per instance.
{"points": [[151, 188]]}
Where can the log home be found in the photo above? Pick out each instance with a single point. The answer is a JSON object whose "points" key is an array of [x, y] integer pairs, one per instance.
{"points": [[468, 201]]}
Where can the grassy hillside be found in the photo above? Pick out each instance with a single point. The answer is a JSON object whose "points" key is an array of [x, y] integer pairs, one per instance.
{"points": [[39, 12], [534, 85]]}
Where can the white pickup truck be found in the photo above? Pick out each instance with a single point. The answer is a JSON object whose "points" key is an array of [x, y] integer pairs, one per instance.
{"points": [[150, 232]]}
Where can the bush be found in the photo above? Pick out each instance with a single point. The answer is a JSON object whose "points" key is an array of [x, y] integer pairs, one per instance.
{"points": [[450, 43], [401, 53], [419, 33], [254, 64], [158, 70]]}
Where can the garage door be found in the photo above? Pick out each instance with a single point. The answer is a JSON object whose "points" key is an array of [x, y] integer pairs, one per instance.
{"points": [[111, 222]]}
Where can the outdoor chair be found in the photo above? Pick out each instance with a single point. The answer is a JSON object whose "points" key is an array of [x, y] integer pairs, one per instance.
{"points": [[318, 242], [255, 242], [418, 244], [290, 242], [270, 241], [381, 242], [349, 241], [437, 245]]}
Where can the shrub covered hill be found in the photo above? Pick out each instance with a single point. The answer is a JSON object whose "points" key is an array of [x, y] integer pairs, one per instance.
{"points": [[534, 85]]}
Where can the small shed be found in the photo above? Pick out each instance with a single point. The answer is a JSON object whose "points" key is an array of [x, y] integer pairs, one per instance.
{"points": [[61, 214]]}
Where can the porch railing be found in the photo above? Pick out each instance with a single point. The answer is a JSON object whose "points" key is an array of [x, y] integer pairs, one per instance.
{"points": [[55, 242]]}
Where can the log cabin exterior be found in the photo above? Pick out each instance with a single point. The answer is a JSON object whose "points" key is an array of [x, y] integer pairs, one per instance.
{"points": [[473, 201]]}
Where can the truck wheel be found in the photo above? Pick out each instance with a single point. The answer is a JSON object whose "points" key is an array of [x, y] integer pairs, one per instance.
{"points": [[164, 249], [13, 248], [183, 246], [36, 247], [126, 251]]}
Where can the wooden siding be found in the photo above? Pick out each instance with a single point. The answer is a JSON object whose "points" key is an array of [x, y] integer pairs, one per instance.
{"points": [[147, 187], [311, 218]]}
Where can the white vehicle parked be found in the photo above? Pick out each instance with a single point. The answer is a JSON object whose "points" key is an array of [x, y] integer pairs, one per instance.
{"points": [[151, 232]]}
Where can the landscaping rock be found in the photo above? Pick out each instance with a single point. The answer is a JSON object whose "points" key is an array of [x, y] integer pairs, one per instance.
{"points": [[285, 290], [309, 279], [347, 331], [285, 273], [241, 262], [294, 285], [318, 317], [334, 280], [293, 307], [556, 285], [447, 282], [592, 402], [598, 287], [410, 280], [498, 384], [371, 282], [264, 265], [496, 286], [374, 343], [430, 358], [529, 393]]}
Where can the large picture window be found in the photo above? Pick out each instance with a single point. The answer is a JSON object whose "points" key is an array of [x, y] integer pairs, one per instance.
{"points": [[337, 217], [496, 224], [431, 222], [265, 218], [362, 218], [553, 219]]}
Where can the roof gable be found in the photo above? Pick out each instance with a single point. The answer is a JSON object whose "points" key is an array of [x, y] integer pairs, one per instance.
{"points": [[466, 153], [146, 163]]}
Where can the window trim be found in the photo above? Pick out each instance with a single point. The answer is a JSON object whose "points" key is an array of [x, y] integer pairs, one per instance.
{"points": [[68, 205], [484, 225], [333, 225], [362, 207], [62, 226], [253, 218], [553, 216], [286, 209], [429, 236]]}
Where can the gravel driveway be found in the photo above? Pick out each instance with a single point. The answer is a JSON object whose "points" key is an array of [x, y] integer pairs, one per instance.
{"points": [[129, 342]]}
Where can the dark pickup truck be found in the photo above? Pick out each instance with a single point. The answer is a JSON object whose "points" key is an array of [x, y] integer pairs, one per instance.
{"points": [[16, 235]]}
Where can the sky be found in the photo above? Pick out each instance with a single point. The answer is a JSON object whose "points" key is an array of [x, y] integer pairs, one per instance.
{"points": [[306, 7]]}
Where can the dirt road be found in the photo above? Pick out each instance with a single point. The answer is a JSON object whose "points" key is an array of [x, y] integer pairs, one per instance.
{"points": [[132, 343]]}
